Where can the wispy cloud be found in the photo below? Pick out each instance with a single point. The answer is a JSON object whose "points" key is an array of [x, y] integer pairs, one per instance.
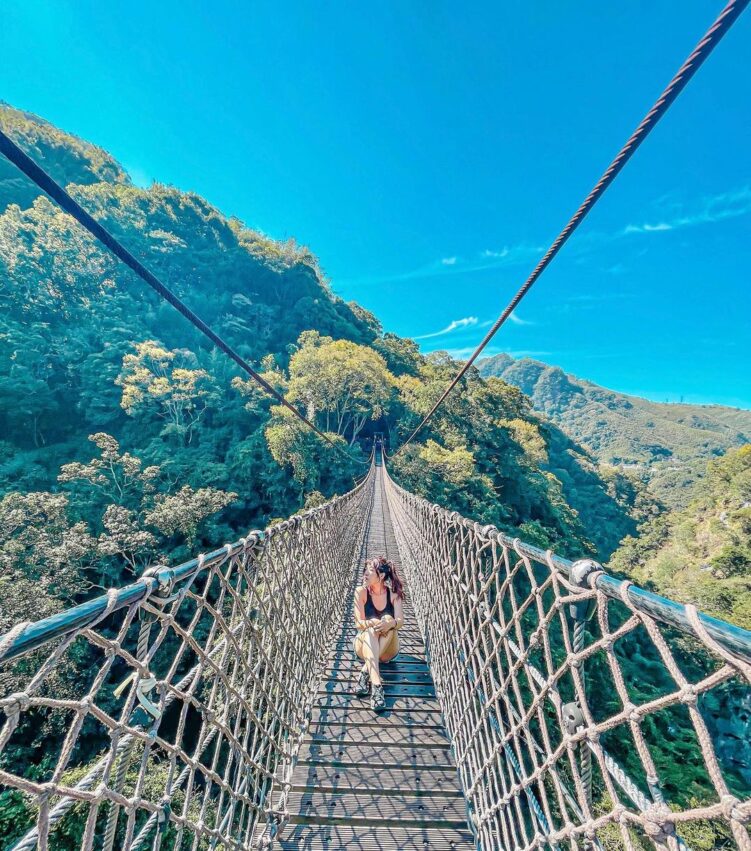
{"points": [[710, 209], [509, 255], [455, 324], [616, 269], [646, 228], [517, 320], [669, 215]]}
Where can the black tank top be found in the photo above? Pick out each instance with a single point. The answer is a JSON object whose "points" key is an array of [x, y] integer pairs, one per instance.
{"points": [[372, 612]]}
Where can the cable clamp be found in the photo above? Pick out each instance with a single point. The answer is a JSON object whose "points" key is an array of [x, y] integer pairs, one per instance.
{"points": [[573, 717], [582, 577], [143, 693], [164, 591]]}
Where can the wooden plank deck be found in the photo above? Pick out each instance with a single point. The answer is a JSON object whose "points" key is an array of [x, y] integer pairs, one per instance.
{"points": [[367, 782]]}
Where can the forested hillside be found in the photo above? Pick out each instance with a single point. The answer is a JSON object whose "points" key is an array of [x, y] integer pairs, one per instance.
{"points": [[66, 157], [701, 554], [666, 444], [127, 439]]}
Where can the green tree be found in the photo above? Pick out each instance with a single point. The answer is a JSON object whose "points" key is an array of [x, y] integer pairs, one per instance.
{"points": [[158, 380], [340, 382]]}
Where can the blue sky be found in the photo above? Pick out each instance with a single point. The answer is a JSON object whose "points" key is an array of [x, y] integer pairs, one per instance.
{"points": [[428, 152]]}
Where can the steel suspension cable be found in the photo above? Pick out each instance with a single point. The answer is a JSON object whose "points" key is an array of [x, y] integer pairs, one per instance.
{"points": [[45, 182], [711, 39]]}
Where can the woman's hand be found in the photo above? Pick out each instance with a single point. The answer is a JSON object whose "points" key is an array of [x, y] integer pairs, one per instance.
{"points": [[387, 624]]}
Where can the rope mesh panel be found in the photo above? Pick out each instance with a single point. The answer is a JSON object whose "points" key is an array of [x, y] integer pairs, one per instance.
{"points": [[193, 697], [558, 743]]}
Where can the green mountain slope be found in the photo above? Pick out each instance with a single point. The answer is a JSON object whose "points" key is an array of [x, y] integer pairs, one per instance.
{"points": [[668, 443]]}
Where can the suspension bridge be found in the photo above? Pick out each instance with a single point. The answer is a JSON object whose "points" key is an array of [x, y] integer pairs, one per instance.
{"points": [[217, 695], [223, 689]]}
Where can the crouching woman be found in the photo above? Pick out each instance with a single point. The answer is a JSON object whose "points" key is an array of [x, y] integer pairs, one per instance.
{"points": [[378, 617]]}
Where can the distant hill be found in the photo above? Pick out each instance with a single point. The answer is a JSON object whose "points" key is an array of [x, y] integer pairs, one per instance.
{"points": [[669, 443]]}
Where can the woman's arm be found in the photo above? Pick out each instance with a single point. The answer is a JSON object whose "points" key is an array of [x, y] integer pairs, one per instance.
{"points": [[398, 620], [398, 613]]}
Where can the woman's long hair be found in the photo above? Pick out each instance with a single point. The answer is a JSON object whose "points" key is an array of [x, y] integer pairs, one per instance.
{"points": [[389, 573]]}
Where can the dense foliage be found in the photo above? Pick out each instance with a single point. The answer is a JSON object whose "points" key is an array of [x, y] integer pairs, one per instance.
{"points": [[702, 554], [666, 445]]}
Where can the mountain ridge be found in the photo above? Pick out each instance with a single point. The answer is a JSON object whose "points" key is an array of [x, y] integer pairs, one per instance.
{"points": [[670, 443]]}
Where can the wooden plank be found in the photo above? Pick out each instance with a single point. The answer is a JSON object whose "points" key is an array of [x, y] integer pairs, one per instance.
{"points": [[367, 807], [350, 664], [394, 702], [362, 733], [315, 837], [371, 725], [355, 713], [386, 748], [419, 781], [395, 690], [396, 737], [375, 755], [405, 677]]}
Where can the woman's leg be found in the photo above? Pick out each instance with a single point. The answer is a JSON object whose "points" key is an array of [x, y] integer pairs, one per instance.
{"points": [[367, 646], [388, 646]]}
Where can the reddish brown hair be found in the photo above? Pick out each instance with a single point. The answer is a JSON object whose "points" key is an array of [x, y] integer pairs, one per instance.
{"points": [[388, 571]]}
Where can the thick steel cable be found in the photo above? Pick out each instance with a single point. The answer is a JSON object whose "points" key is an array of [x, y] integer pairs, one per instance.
{"points": [[711, 39], [45, 182]]}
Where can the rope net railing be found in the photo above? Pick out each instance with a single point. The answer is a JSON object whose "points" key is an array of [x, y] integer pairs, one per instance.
{"points": [[185, 695], [574, 700]]}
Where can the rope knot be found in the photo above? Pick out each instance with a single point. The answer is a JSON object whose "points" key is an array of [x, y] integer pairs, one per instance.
{"points": [[688, 694], [16, 703], [632, 714], [657, 824], [731, 810], [113, 649]]}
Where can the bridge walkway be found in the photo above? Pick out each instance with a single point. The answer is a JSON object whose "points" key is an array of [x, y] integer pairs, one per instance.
{"points": [[366, 782]]}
